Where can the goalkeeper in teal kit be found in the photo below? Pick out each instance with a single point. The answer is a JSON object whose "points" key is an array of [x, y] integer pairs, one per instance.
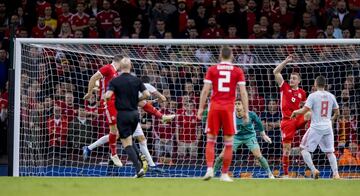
{"points": [[246, 134]]}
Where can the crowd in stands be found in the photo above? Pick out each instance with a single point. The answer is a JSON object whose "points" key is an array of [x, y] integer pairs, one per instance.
{"points": [[53, 102]]}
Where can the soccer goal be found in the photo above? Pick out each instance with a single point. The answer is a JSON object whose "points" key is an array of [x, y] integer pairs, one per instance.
{"points": [[52, 121]]}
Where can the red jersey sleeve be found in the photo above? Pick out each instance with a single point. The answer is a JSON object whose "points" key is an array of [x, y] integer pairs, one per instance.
{"points": [[104, 71], [303, 97], [241, 77], [284, 86]]}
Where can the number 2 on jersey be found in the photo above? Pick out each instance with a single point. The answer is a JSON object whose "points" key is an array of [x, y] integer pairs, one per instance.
{"points": [[224, 80], [324, 108]]}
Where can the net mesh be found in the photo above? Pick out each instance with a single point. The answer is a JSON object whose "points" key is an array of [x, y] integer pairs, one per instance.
{"points": [[56, 122]]}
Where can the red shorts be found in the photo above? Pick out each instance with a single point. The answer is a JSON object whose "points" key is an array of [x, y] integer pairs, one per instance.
{"points": [[221, 116], [289, 126], [110, 112]]}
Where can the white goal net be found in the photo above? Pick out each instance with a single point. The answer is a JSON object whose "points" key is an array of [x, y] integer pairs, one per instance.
{"points": [[53, 121]]}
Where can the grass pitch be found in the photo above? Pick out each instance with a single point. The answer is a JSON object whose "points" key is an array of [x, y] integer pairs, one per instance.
{"points": [[174, 187]]}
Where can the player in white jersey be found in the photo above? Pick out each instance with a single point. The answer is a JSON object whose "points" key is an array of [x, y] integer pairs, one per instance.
{"points": [[139, 134], [322, 104]]}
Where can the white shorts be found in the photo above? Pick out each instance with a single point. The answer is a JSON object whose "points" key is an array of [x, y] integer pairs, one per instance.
{"points": [[313, 138], [138, 131]]}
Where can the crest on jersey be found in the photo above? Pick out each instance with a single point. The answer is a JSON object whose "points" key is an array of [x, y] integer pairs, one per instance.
{"points": [[293, 99]]}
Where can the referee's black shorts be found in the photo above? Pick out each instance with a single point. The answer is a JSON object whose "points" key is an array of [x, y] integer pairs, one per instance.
{"points": [[127, 122]]}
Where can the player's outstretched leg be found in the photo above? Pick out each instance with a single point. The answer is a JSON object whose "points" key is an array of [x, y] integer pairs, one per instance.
{"points": [[210, 155], [147, 107], [308, 160], [87, 149], [333, 163]]}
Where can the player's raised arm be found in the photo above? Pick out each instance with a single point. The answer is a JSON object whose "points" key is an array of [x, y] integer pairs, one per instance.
{"points": [[277, 71], [203, 96], [245, 101], [91, 85]]}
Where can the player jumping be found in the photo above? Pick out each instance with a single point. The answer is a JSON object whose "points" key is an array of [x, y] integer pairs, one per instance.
{"points": [[291, 98], [223, 80], [322, 103], [105, 75], [245, 134]]}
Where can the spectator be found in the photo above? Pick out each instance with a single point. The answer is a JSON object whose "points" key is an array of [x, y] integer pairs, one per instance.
{"points": [[40, 29], [335, 22], [271, 121], [143, 14], [58, 8], [251, 14], [257, 32], [178, 21], [329, 32], [203, 55], [157, 14], [160, 30], [78, 34], [66, 15], [188, 131], [351, 156], [67, 107], [58, 130], [256, 102], [212, 32], [343, 14], [163, 135], [4, 66], [93, 8], [41, 5], [106, 16], [139, 30], [347, 127], [117, 31], [201, 19], [65, 31], [190, 24], [308, 25], [232, 32], [93, 31], [193, 34], [276, 29], [346, 34], [80, 132], [49, 21], [302, 33], [229, 16], [80, 20]]}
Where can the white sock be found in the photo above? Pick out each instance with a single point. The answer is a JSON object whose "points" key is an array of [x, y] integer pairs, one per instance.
{"points": [[333, 163], [308, 160], [101, 141], [145, 151]]}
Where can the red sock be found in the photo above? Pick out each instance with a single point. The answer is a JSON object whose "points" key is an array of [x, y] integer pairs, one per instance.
{"points": [[210, 152], [227, 157], [285, 162], [152, 110], [112, 143]]}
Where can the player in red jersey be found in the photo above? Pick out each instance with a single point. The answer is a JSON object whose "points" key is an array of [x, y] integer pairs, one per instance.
{"points": [[105, 75], [222, 79], [291, 98]]}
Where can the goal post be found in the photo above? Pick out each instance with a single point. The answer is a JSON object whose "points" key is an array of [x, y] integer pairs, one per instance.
{"points": [[52, 73]]}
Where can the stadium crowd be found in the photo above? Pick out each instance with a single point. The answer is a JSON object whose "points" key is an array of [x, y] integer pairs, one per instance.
{"points": [[66, 123]]}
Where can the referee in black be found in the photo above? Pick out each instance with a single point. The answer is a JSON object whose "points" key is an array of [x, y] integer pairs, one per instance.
{"points": [[126, 88]]}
